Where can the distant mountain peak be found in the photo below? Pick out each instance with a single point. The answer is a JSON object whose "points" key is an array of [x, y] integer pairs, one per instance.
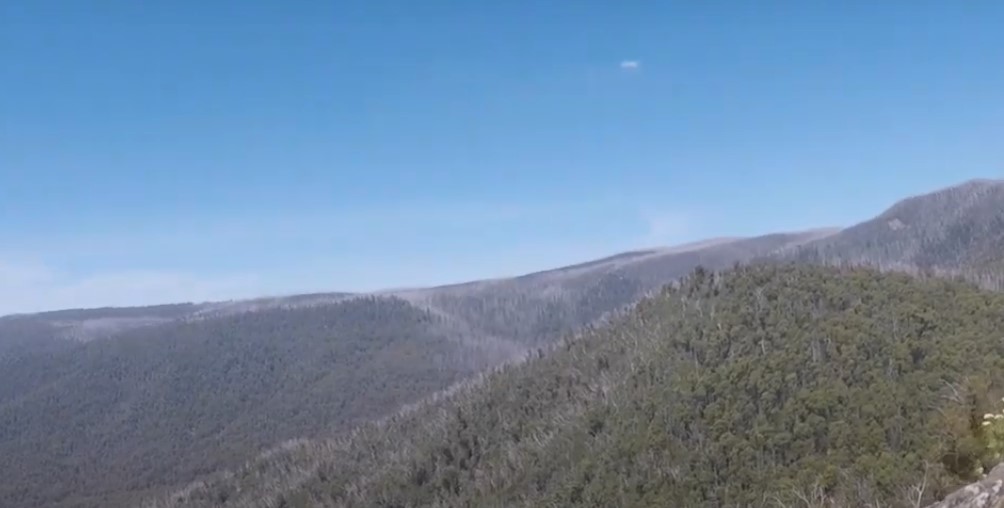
{"points": [[957, 229], [985, 182]]}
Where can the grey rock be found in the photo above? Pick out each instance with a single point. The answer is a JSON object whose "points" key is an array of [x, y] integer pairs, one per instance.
{"points": [[986, 493]]}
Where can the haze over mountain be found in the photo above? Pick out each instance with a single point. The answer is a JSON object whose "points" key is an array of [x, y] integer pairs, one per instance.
{"points": [[120, 403], [216, 152]]}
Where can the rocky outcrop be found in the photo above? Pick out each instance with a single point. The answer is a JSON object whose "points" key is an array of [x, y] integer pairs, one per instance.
{"points": [[986, 493]]}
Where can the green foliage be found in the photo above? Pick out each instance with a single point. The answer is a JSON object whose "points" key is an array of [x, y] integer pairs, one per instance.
{"points": [[742, 389], [993, 436], [181, 390], [802, 373], [101, 423]]}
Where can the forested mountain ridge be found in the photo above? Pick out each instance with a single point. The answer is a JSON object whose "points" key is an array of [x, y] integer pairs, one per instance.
{"points": [[572, 296], [749, 388], [102, 398], [93, 425], [958, 230], [536, 309], [315, 365], [24, 333]]}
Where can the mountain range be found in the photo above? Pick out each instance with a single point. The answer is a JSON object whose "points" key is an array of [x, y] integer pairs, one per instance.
{"points": [[765, 385], [106, 407]]}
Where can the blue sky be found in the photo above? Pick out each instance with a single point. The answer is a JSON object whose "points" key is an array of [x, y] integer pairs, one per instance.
{"points": [[189, 150]]}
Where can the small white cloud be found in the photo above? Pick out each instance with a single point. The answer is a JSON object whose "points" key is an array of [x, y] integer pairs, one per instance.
{"points": [[630, 65]]}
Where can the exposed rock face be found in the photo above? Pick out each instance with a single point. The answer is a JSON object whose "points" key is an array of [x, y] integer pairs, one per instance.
{"points": [[987, 493]]}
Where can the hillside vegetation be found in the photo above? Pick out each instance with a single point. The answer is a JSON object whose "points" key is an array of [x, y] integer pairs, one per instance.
{"points": [[26, 334], [537, 309], [749, 388], [98, 424], [953, 231], [117, 403]]}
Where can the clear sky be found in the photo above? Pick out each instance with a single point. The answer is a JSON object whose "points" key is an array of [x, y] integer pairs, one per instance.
{"points": [[191, 150]]}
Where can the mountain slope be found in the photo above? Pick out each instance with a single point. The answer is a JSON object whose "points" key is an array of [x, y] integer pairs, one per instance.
{"points": [[116, 402], [26, 334], [159, 405], [465, 328], [734, 390], [536, 309], [958, 230]]}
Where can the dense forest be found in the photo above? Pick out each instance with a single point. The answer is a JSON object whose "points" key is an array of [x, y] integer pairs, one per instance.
{"points": [[120, 403], [98, 424], [750, 388], [958, 231]]}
